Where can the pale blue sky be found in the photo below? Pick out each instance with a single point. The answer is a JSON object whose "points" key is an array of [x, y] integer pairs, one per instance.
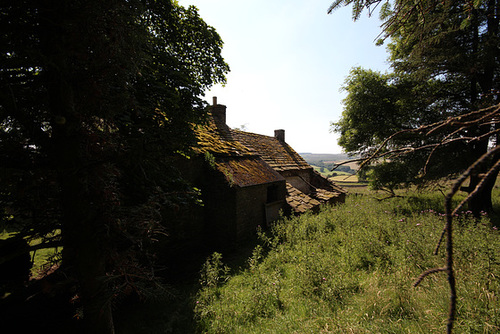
{"points": [[288, 61]]}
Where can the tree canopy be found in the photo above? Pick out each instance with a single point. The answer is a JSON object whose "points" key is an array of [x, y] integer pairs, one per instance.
{"points": [[444, 60], [96, 97]]}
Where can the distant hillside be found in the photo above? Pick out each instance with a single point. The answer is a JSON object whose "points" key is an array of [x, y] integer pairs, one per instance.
{"points": [[313, 158], [328, 160]]}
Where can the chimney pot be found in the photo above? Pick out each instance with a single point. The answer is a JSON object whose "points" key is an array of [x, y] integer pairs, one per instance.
{"points": [[280, 135], [214, 99]]}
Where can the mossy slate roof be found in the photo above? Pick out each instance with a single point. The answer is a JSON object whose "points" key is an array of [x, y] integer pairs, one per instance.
{"points": [[217, 139], [240, 165], [247, 171], [279, 155], [248, 159]]}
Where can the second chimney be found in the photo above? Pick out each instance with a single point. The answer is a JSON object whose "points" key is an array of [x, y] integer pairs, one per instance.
{"points": [[280, 135]]}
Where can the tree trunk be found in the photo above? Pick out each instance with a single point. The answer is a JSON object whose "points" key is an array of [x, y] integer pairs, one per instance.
{"points": [[83, 229], [481, 203], [485, 80], [83, 235]]}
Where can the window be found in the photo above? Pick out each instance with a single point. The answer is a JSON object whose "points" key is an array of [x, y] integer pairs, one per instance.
{"points": [[272, 193]]}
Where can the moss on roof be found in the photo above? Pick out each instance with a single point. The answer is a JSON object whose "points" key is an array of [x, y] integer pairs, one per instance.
{"points": [[217, 139], [247, 171], [247, 159]]}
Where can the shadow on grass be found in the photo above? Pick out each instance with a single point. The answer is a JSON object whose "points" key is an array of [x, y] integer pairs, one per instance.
{"points": [[174, 312]]}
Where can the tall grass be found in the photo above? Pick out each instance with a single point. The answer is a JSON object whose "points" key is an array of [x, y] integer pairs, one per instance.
{"points": [[350, 269]]}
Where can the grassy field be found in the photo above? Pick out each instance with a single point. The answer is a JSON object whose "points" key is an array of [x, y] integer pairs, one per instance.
{"points": [[351, 183], [348, 269], [339, 175]]}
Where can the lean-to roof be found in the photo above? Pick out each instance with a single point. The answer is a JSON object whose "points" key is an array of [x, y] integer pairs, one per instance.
{"points": [[298, 201]]}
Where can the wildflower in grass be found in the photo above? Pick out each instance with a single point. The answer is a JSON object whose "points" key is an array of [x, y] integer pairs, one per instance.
{"points": [[495, 228], [418, 224], [483, 213], [401, 220]]}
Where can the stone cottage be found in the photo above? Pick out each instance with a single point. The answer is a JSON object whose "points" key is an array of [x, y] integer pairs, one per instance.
{"points": [[247, 179]]}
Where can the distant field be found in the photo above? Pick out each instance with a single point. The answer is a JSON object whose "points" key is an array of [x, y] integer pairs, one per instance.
{"points": [[328, 159], [350, 182], [352, 165], [325, 173], [347, 178]]}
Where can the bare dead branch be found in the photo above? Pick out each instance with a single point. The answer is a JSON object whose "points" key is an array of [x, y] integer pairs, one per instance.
{"points": [[427, 273], [441, 237], [449, 262]]}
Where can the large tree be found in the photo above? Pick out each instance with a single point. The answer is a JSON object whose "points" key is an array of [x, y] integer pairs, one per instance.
{"points": [[442, 44], [95, 99], [444, 56]]}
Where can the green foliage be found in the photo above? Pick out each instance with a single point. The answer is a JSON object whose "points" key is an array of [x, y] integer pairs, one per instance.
{"points": [[351, 268], [390, 176], [214, 272], [97, 98], [370, 113], [444, 60], [210, 159]]}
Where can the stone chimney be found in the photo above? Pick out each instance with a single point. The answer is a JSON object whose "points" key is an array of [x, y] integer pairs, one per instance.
{"points": [[280, 135], [218, 111]]}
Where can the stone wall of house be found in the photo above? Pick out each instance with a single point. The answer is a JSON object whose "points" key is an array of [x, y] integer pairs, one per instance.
{"points": [[219, 200], [300, 179], [183, 221], [251, 206], [250, 210]]}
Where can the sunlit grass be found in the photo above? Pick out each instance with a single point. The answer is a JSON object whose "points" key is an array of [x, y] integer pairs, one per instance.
{"points": [[351, 269], [42, 259]]}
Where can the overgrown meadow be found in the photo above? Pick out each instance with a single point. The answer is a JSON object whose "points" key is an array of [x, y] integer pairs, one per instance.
{"points": [[351, 269]]}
